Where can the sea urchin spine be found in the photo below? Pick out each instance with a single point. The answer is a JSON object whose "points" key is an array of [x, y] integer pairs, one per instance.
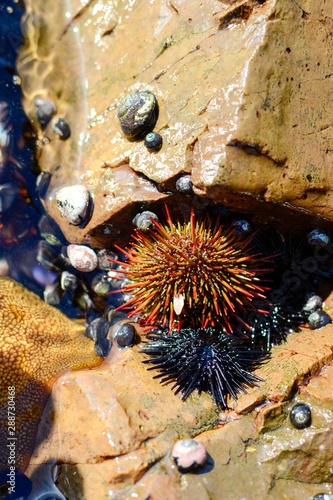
{"points": [[179, 272]]}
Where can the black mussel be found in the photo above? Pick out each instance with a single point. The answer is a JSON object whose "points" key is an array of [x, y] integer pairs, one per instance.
{"points": [[49, 258], [50, 231], [8, 193], [61, 127], [97, 329], [102, 347], [137, 113], [53, 294], [45, 110]]}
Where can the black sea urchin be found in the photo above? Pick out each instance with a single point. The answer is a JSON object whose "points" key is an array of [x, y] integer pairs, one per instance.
{"points": [[194, 274], [273, 326], [203, 359]]}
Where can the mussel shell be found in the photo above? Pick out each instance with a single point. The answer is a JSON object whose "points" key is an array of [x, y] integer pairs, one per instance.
{"points": [[137, 113]]}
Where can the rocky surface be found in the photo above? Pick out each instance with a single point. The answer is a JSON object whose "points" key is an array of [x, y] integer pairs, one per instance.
{"points": [[243, 90], [111, 431]]}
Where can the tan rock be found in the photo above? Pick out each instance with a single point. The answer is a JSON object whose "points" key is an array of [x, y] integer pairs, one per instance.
{"points": [[242, 87], [111, 431]]}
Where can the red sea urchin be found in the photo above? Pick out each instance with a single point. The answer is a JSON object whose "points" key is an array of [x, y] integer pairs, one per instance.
{"points": [[196, 274]]}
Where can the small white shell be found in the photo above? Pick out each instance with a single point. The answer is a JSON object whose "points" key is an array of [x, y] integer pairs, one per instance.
{"points": [[73, 203], [189, 454], [178, 303], [82, 258]]}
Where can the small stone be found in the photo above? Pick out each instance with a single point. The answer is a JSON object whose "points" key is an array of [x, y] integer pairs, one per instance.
{"points": [[73, 203], [144, 221], [318, 319], [45, 110], [102, 347], [184, 185], [189, 454], [300, 416], [153, 141], [319, 238], [82, 258], [61, 127], [125, 335]]}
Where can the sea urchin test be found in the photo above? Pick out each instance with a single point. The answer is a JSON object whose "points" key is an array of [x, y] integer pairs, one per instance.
{"points": [[198, 272]]}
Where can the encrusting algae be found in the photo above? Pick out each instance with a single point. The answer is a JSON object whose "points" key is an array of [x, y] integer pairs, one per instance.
{"points": [[37, 344]]}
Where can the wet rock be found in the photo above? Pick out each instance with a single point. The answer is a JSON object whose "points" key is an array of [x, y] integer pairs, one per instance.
{"points": [[83, 258], [73, 203], [255, 136], [137, 422]]}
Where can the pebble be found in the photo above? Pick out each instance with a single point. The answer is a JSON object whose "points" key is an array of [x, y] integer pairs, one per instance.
{"points": [[45, 110], [73, 203], [189, 454], [82, 258]]}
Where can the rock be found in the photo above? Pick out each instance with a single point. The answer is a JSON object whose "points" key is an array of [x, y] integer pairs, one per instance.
{"points": [[136, 422], [242, 90], [73, 203], [82, 258]]}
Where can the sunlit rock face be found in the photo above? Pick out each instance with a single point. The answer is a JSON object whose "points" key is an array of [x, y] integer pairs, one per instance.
{"points": [[243, 91]]}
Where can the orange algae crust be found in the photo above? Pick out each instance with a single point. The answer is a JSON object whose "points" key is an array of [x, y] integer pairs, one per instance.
{"points": [[37, 344]]}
